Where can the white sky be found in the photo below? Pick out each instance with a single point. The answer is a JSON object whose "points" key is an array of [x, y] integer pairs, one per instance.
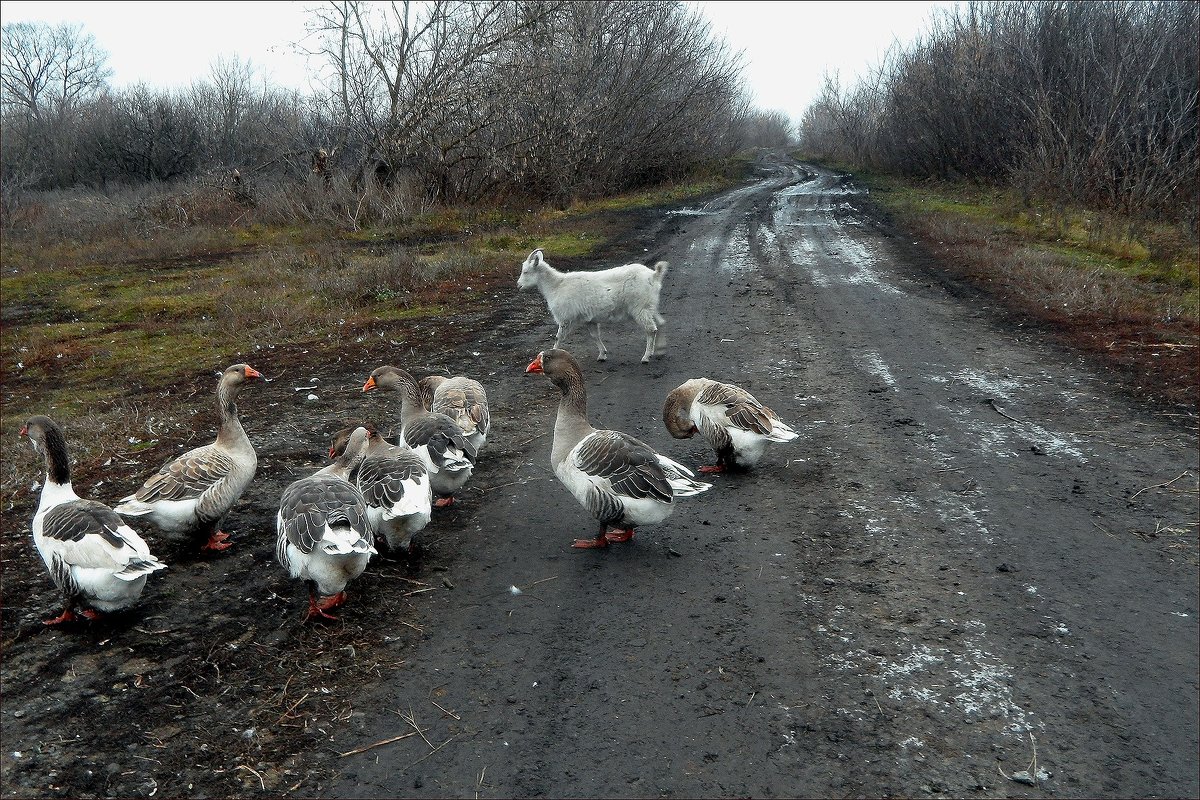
{"points": [[787, 45]]}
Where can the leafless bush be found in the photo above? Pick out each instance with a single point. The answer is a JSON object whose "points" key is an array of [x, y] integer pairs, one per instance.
{"points": [[336, 202], [766, 129], [447, 101], [1081, 102]]}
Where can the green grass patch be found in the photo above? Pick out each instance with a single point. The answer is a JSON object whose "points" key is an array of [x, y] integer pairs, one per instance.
{"points": [[1151, 252]]}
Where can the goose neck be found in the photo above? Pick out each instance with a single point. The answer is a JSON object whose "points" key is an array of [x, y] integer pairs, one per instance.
{"points": [[571, 424], [58, 462], [230, 430]]}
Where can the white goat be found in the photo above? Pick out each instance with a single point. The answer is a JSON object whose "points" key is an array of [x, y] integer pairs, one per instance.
{"points": [[608, 295]]}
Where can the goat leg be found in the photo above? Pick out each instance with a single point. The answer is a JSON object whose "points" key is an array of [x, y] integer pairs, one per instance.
{"points": [[603, 356]]}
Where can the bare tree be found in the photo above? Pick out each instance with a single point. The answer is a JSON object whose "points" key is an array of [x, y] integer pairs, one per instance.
{"points": [[398, 69], [50, 70]]}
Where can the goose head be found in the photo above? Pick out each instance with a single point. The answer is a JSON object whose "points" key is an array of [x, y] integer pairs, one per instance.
{"points": [[677, 408]]}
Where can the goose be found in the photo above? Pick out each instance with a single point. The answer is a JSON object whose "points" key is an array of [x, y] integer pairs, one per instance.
{"points": [[322, 533], [736, 425], [435, 437], [622, 481], [395, 484], [463, 400], [94, 558], [189, 496]]}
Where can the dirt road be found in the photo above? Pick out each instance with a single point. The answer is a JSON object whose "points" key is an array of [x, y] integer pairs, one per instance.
{"points": [[956, 555], [973, 549]]}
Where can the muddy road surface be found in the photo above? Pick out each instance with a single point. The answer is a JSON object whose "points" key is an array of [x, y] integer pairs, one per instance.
{"points": [[978, 553]]}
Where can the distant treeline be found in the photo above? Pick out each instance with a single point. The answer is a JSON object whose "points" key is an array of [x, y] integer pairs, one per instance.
{"points": [[455, 101], [1079, 102]]}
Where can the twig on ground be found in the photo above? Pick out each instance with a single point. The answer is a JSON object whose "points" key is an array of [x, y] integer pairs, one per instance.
{"points": [[527, 441], [876, 699], [411, 719], [540, 580], [483, 489], [380, 743], [445, 710], [255, 772], [1162, 485], [431, 752], [1000, 411], [288, 713]]}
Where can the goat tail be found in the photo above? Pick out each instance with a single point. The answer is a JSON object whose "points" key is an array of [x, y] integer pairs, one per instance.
{"points": [[660, 272]]}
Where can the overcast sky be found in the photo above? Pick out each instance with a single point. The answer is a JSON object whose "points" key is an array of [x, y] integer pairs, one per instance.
{"points": [[787, 45]]}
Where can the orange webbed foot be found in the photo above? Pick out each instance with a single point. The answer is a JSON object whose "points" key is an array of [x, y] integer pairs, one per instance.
{"points": [[66, 616], [589, 544], [443, 502], [619, 536], [217, 542], [712, 469], [320, 608]]}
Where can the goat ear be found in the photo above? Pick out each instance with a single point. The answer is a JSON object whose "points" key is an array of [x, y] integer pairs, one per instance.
{"points": [[537, 256]]}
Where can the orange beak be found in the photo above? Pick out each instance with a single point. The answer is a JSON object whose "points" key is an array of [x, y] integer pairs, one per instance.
{"points": [[535, 365], [24, 431], [370, 384], [332, 453], [251, 372]]}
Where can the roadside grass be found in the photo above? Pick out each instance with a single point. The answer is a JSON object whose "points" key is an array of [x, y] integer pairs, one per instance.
{"points": [[1128, 292], [125, 302], [1154, 262]]}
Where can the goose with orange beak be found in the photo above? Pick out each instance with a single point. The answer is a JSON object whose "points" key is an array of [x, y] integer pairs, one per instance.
{"points": [[620, 480], [448, 455], [189, 496]]}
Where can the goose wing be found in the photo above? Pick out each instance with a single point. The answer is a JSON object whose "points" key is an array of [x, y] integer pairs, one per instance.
{"points": [[440, 435], [465, 401], [382, 478], [628, 465], [187, 477], [741, 410], [312, 504], [84, 533]]}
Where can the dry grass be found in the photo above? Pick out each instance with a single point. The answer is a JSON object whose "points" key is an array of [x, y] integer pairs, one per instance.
{"points": [[1128, 293], [1062, 281]]}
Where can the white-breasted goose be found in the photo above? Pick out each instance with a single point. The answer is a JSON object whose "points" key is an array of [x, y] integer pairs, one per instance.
{"points": [[323, 536], [434, 437], [94, 558], [395, 484], [736, 425], [463, 400], [622, 481], [189, 496]]}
